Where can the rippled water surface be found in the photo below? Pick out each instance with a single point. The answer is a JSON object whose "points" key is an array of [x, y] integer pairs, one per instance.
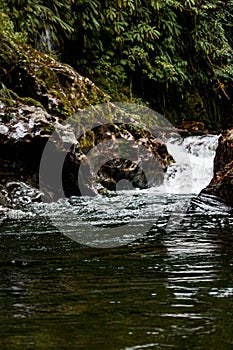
{"points": [[169, 289], [166, 283]]}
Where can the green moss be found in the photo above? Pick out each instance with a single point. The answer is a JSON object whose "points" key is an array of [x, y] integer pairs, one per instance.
{"points": [[7, 94], [30, 102], [87, 141], [49, 129], [8, 102], [37, 78], [12, 97]]}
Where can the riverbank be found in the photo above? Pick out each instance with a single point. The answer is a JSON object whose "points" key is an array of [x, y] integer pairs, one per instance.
{"points": [[25, 130], [46, 93]]}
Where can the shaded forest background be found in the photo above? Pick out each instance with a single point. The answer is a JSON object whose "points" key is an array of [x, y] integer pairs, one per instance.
{"points": [[174, 56]]}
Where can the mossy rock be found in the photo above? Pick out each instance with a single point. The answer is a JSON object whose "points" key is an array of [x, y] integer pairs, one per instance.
{"points": [[38, 79]]}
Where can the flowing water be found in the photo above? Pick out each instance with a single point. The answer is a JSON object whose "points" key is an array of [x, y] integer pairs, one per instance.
{"points": [[169, 287]]}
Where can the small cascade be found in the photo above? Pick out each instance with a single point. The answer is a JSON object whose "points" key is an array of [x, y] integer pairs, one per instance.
{"points": [[45, 42], [193, 167], [120, 218]]}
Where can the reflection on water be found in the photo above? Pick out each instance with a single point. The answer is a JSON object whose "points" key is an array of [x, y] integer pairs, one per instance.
{"points": [[168, 289]]}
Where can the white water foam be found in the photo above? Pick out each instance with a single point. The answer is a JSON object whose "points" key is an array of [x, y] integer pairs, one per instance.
{"points": [[194, 163], [191, 172]]}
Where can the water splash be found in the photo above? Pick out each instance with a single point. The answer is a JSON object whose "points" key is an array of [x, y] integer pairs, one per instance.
{"points": [[200, 152], [168, 202]]}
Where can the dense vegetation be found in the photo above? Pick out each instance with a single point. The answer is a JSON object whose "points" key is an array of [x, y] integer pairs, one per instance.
{"points": [[175, 55]]}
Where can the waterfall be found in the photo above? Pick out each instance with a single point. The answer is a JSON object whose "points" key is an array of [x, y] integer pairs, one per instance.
{"points": [[193, 167], [45, 42], [118, 219]]}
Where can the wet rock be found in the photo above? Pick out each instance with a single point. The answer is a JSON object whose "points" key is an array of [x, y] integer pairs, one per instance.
{"points": [[144, 168], [26, 130], [3, 130], [21, 122], [144, 164], [38, 94], [17, 194], [192, 128]]}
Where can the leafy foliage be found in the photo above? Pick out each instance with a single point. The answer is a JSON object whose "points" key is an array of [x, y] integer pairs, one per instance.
{"points": [[35, 18], [176, 54], [164, 51]]}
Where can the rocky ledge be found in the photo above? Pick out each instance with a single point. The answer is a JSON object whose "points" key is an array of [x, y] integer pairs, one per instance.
{"points": [[220, 189], [24, 132], [37, 96]]}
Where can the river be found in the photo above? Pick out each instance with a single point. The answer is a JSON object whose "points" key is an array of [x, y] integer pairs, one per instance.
{"points": [[168, 287]]}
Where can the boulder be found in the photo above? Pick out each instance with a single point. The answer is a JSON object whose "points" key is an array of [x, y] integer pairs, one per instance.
{"points": [[37, 94], [24, 132], [38, 79]]}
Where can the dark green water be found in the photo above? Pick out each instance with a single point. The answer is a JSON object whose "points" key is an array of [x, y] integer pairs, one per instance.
{"points": [[168, 290]]}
